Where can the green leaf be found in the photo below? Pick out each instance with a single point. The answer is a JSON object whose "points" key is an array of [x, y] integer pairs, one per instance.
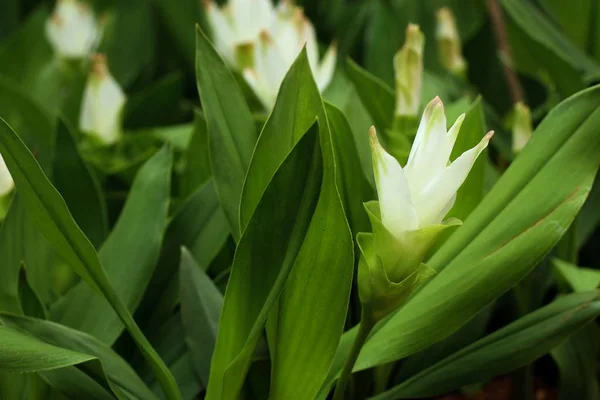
{"points": [[472, 190], [377, 97], [231, 130], [589, 218], [197, 162], [201, 304], [542, 47], [179, 17], [20, 353], [22, 242], [263, 261], [48, 209], [295, 111], [80, 188], [27, 58], [507, 349], [514, 225], [156, 105], [579, 279], [577, 366], [354, 187], [201, 226], [121, 377], [35, 126], [342, 93], [575, 21], [130, 31], [129, 255], [316, 293]]}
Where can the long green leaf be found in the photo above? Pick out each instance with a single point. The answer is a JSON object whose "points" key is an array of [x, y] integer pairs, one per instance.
{"points": [[376, 96], [49, 211], [295, 111], [201, 304], [201, 226], [505, 350], [231, 130], [22, 353], [80, 188], [120, 376]]}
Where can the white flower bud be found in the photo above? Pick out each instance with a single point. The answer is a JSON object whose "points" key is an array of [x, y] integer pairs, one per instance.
{"points": [[102, 105], [522, 128], [72, 29], [408, 65], [449, 42]]}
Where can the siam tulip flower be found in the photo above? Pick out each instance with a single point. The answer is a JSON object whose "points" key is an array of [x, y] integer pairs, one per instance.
{"points": [[413, 202], [408, 66], [72, 29], [277, 49], [102, 105], [522, 128], [237, 25], [449, 43], [6, 181]]}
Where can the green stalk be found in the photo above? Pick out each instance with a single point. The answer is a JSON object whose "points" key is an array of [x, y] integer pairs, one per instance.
{"points": [[365, 327]]}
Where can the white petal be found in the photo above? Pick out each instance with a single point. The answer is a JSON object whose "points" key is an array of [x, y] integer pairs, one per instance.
{"points": [[397, 212], [432, 147], [438, 197], [259, 87], [6, 181], [222, 34], [326, 68]]}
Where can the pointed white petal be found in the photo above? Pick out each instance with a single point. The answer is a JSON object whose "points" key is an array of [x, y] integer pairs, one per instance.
{"points": [[438, 197], [6, 181], [326, 68], [222, 33], [431, 150], [397, 212]]}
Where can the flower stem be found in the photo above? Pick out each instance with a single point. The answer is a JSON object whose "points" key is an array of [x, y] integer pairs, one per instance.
{"points": [[365, 327]]}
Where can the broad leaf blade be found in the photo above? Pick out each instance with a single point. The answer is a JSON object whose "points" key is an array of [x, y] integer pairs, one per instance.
{"points": [[231, 130], [201, 304]]}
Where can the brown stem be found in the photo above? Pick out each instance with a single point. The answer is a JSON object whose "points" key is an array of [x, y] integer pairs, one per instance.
{"points": [[514, 86]]}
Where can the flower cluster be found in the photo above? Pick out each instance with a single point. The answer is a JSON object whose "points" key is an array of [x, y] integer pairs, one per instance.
{"points": [[262, 41]]}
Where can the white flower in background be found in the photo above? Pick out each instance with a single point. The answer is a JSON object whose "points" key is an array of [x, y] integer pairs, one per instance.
{"points": [[237, 25], [278, 48], [102, 104], [72, 29], [408, 66], [421, 194], [449, 42], [522, 128], [6, 181]]}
